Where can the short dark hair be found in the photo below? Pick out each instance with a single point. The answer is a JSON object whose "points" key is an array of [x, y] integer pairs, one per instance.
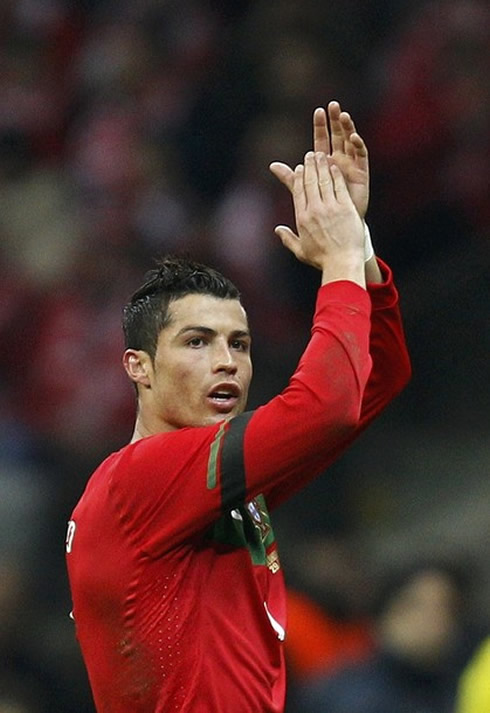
{"points": [[146, 313]]}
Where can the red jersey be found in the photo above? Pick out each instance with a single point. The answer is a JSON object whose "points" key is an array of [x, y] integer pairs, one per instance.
{"points": [[178, 593]]}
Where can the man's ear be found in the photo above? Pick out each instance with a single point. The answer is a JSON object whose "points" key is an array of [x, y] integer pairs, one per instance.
{"points": [[137, 364]]}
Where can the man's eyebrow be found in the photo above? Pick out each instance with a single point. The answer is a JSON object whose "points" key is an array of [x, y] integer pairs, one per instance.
{"points": [[236, 333], [241, 333], [195, 328]]}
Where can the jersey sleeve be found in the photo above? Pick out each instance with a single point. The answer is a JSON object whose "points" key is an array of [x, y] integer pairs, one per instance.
{"points": [[391, 371], [170, 487]]}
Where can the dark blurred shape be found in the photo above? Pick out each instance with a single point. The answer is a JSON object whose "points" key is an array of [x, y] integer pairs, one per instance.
{"points": [[15, 154], [424, 637]]}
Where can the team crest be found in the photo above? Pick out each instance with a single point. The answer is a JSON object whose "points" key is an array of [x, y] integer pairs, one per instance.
{"points": [[259, 517], [249, 526]]}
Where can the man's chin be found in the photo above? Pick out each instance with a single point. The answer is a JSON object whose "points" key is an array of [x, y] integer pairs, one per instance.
{"points": [[217, 417]]}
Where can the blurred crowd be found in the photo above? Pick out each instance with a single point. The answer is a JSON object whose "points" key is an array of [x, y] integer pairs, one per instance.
{"points": [[132, 128]]}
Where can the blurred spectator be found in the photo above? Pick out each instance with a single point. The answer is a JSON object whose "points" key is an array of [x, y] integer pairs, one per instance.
{"points": [[423, 641], [24, 686], [240, 236], [329, 596], [39, 223], [429, 129], [74, 392]]}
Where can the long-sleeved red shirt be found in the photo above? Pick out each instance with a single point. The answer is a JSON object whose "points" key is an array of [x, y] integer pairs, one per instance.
{"points": [[178, 593]]}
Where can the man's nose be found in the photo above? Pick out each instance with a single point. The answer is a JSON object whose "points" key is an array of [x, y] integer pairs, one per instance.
{"points": [[224, 359]]}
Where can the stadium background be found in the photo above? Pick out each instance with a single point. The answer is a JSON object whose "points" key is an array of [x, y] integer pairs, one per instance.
{"points": [[130, 128]]}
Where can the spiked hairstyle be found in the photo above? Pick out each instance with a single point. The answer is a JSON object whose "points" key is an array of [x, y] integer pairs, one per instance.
{"points": [[146, 313]]}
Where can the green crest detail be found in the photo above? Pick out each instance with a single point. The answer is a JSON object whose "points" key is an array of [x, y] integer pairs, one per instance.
{"points": [[247, 526]]}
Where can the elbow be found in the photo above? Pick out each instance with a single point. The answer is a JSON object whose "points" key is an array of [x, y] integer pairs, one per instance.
{"points": [[348, 415], [400, 378], [346, 408], [352, 419], [395, 378], [330, 430]]}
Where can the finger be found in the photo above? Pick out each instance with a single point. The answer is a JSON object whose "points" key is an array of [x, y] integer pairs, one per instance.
{"points": [[312, 189], [321, 138], [348, 129], [336, 133], [324, 178], [361, 152], [349, 149], [288, 238], [347, 122], [339, 184], [299, 195], [351, 135], [284, 173]]}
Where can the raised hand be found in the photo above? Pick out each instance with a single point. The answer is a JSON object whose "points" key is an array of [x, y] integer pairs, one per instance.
{"points": [[334, 134], [346, 148], [330, 231]]}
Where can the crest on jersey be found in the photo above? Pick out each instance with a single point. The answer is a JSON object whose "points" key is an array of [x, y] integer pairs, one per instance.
{"points": [[259, 517]]}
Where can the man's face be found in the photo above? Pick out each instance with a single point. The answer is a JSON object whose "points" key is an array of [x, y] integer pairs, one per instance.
{"points": [[421, 621], [202, 367]]}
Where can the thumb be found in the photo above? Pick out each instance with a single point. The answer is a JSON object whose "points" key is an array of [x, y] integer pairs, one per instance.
{"points": [[283, 172], [288, 238]]}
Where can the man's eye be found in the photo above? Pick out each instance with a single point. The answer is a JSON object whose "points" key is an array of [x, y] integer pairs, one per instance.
{"points": [[240, 345], [196, 342]]}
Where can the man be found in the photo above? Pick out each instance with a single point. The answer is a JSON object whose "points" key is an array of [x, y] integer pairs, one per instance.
{"points": [[422, 638], [178, 593]]}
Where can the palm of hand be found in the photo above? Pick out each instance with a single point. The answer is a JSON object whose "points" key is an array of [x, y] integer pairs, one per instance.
{"points": [[335, 134], [356, 178]]}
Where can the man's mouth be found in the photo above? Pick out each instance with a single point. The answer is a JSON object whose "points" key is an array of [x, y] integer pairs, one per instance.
{"points": [[224, 397]]}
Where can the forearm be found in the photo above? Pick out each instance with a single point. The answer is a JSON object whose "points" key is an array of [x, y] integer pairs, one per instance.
{"points": [[389, 374], [289, 440]]}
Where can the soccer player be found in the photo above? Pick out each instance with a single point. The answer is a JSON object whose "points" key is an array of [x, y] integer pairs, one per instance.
{"points": [[178, 593]]}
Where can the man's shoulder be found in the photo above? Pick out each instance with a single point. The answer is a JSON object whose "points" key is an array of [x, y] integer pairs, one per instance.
{"points": [[167, 452]]}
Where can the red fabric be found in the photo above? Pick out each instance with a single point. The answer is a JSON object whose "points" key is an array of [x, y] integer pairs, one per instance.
{"points": [[178, 605], [318, 643]]}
